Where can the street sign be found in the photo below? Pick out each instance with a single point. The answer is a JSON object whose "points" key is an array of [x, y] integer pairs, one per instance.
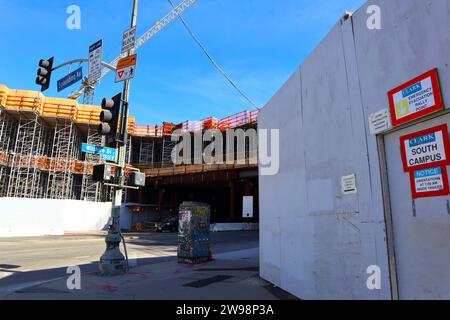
{"points": [[416, 98], [70, 79], [95, 61], [126, 68], [128, 39], [108, 154], [432, 182], [425, 149]]}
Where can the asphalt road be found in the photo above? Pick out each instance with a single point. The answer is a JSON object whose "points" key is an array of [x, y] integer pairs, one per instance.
{"points": [[32, 260]]}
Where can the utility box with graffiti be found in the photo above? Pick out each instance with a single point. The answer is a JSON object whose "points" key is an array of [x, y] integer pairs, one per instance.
{"points": [[193, 232]]}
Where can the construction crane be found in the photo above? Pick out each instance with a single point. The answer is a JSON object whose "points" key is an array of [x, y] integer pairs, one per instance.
{"points": [[88, 88]]}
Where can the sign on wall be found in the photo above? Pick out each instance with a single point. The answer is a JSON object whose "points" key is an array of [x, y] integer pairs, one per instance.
{"points": [[247, 207], [348, 184], [431, 182], [425, 149], [416, 98], [380, 122]]}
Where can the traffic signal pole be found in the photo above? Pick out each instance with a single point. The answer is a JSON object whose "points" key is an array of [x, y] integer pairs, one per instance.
{"points": [[113, 262]]}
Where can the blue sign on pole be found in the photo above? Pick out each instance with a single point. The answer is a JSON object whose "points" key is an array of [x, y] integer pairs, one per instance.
{"points": [[108, 154], [70, 79]]}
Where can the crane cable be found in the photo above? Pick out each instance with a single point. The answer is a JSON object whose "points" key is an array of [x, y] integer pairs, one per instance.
{"points": [[215, 64]]}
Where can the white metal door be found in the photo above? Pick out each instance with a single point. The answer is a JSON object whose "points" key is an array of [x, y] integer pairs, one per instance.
{"points": [[421, 228]]}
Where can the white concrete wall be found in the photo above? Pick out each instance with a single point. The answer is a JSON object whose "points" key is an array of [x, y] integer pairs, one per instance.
{"points": [[315, 242], [38, 217], [224, 227]]}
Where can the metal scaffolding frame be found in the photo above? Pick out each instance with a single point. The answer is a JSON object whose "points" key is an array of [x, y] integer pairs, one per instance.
{"points": [[167, 149], [129, 149], [91, 190], [3, 180], [25, 177], [4, 148], [7, 131], [147, 152], [65, 148]]}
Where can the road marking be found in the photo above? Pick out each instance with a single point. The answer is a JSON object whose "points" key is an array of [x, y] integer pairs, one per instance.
{"points": [[4, 274]]}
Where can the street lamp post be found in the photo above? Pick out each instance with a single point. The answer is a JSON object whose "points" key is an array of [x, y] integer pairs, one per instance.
{"points": [[113, 261]]}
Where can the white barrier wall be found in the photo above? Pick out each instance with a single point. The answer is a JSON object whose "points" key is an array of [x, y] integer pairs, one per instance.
{"points": [[224, 227], [38, 217], [317, 243]]}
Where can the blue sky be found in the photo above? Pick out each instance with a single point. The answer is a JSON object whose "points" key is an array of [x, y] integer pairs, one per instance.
{"points": [[259, 43]]}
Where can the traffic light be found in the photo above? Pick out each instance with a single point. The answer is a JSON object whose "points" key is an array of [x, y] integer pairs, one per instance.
{"points": [[109, 119], [137, 179], [44, 73], [102, 173]]}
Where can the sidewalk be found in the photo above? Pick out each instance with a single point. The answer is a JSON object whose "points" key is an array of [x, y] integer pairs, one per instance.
{"points": [[231, 276]]}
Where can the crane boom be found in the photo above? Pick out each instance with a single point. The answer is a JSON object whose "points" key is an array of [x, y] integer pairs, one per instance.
{"points": [[159, 26]]}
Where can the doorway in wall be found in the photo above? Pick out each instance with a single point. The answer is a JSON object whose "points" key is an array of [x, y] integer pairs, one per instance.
{"points": [[420, 227]]}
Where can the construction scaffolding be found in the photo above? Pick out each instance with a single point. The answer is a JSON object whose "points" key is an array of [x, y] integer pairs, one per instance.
{"points": [[147, 152], [25, 176], [91, 190], [65, 149], [40, 146], [41, 139], [168, 148]]}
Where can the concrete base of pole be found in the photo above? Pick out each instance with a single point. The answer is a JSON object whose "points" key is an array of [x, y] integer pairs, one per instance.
{"points": [[112, 262]]}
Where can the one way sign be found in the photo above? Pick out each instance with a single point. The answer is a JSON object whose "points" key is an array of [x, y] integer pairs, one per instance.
{"points": [[126, 68]]}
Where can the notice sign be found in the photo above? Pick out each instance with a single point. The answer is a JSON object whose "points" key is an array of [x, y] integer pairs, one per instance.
{"points": [[126, 68], [430, 182], [128, 39], [416, 98], [425, 149]]}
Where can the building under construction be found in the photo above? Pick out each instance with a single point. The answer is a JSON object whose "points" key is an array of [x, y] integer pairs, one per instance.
{"points": [[41, 157]]}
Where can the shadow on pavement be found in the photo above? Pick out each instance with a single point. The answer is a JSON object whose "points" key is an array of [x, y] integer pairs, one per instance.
{"points": [[23, 277]]}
